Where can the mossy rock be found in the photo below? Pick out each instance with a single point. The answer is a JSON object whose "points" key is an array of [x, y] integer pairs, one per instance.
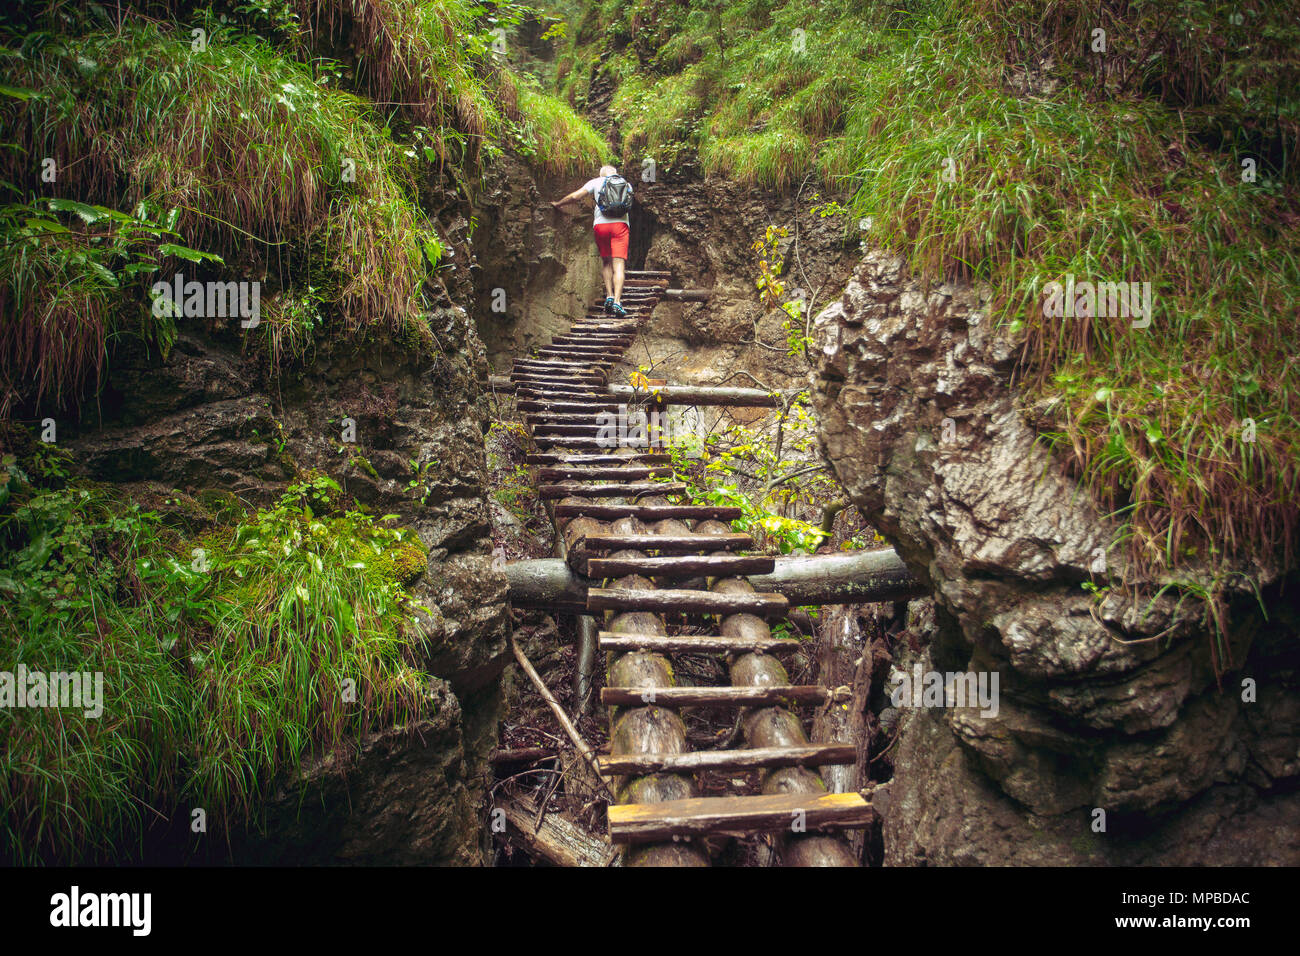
{"points": [[402, 563]]}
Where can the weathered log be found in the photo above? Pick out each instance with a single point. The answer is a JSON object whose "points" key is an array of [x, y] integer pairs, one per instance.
{"points": [[697, 643], [820, 755], [613, 490], [716, 696], [555, 458], [856, 578], [671, 544], [648, 512], [696, 395], [680, 601], [556, 840], [603, 474], [688, 295], [739, 815], [681, 566]]}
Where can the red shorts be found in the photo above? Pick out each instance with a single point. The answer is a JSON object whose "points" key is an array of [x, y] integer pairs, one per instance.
{"points": [[611, 239]]}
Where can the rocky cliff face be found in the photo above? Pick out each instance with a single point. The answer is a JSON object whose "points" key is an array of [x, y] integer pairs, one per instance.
{"points": [[1106, 703], [205, 423]]}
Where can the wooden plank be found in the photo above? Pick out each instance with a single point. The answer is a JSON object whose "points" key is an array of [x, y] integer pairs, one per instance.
{"points": [[682, 566], [682, 601], [597, 474], [647, 274], [645, 458], [649, 512], [767, 695], [675, 543], [696, 644], [571, 428], [811, 755], [646, 822], [528, 405], [619, 490]]}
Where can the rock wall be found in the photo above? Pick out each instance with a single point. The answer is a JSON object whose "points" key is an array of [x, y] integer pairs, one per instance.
{"points": [[1105, 704]]}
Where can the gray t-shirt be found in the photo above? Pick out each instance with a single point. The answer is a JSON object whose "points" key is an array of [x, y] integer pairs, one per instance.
{"points": [[593, 187]]}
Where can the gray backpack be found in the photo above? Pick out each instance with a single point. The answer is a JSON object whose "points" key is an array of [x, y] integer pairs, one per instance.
{"points": [[615, 196]]}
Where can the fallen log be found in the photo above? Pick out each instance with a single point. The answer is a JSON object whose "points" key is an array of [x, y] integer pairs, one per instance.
{"points": [[673, 394], [861, 577], [556, 839]]}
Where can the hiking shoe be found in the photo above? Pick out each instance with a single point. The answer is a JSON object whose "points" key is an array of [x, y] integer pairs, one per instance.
{"points": [[618, 310], [609, 303]]}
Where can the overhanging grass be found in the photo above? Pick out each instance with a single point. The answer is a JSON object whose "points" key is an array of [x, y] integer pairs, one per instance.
{"points": [[556, 138]]}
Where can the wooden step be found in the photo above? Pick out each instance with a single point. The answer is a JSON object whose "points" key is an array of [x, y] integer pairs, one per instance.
{"points": [[572, 418], [570, 428], [618, 490], [529, 405], [696, 644], [576, 378], [674, 543], [647, 274], [579, 348], [671, 695], [644, 283], [649, 512], [603, 474], [682, 566], [649, 822], [684, 601], [644, 458], [811, 755], [578, 441]]}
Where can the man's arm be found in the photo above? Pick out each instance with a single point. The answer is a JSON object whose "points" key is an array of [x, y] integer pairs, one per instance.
{"points": [[572, 197]]}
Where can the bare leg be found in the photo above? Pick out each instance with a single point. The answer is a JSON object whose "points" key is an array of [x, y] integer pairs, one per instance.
{"points": [[619, 266], [607, 272]]}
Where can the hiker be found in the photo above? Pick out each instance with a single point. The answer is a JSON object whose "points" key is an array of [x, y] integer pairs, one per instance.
{"points": [[613, 197]]}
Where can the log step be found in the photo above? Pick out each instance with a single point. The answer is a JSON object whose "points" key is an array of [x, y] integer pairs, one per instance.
{"points": [[812, 755], [648, 822], [528, 405], [675, 543], [606, 474], [683, 566], [629, 490], [567, 428], [647, 274], [673, 696], [696, 644], [649, 512], [644, 458], [684, 601]]}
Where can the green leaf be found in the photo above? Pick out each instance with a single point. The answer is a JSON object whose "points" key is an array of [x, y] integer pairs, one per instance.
{"points": [[188, 254]]}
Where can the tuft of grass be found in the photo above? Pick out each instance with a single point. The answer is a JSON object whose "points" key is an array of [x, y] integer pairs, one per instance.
{"points": [[556, 138], [226, 658]]}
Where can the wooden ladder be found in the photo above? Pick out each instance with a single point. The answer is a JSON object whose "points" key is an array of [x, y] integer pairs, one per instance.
{"points": [[660, 556]]}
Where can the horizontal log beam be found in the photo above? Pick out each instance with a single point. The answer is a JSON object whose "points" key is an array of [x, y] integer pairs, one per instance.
{"points": [[682, 566], [686, 601], [672, 696], [863, 577], [645, 822], [696, 643], [818, 755], [688, 295]]}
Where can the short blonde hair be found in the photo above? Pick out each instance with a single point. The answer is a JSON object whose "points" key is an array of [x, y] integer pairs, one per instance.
{"points": [[608, 171]]}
